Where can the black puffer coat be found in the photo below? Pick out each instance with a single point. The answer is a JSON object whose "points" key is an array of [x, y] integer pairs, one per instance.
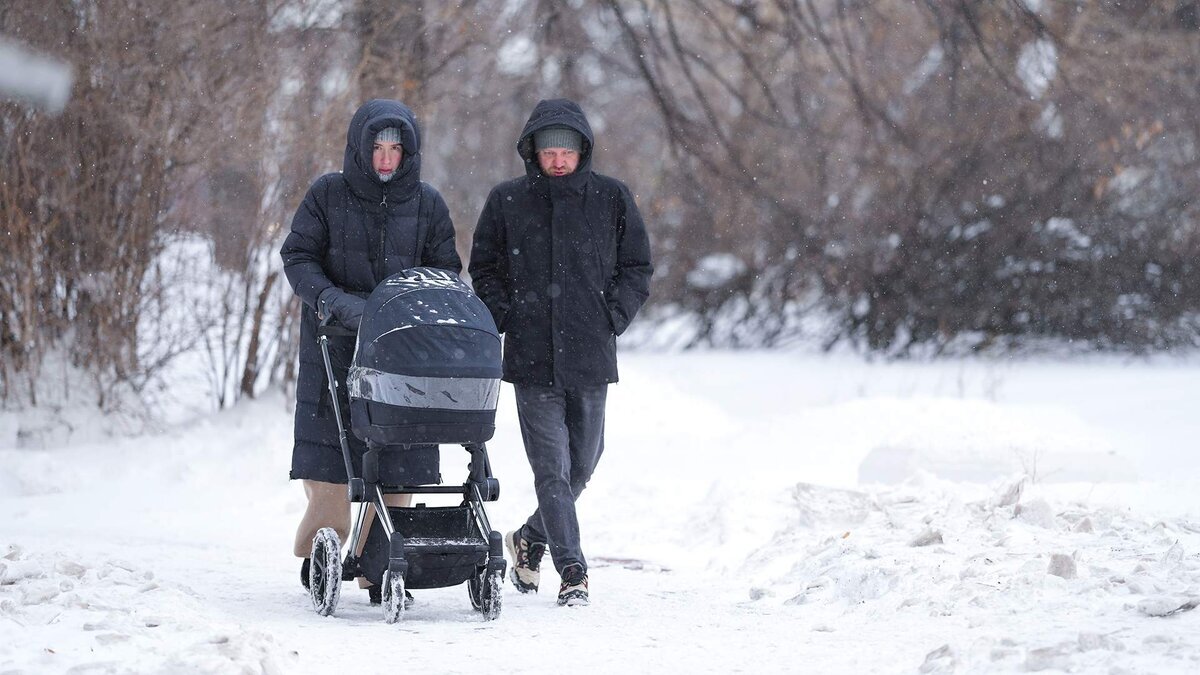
{"points": [[353, 231], [563, 263]]}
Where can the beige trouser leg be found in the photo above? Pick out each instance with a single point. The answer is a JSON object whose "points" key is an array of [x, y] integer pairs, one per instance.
{"points": [[327, 507]]}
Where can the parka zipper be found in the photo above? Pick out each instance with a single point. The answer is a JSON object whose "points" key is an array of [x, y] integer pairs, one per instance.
{"points": [[382, 238]]}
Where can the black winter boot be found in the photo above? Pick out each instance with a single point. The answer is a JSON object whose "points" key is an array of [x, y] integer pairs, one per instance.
{"points": [[375, 593]]}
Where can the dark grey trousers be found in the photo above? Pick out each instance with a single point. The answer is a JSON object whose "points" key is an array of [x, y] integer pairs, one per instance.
{"points": [[563, 430]]}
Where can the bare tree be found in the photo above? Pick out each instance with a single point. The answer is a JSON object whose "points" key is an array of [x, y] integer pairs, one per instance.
{"points": [[925, 174], [98, 194], [933, 171]]}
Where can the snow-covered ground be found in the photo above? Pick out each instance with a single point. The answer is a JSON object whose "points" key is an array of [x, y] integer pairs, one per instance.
{"points": [[765, 512]]}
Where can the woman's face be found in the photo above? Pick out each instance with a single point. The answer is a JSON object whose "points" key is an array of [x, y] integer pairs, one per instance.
{"points": [[386, 157]]}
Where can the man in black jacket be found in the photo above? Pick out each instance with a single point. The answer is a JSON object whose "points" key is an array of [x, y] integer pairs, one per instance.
{"points": [[355, 229], [562, 260]]}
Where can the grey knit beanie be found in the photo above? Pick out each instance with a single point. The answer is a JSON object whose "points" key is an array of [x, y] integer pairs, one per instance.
{"points": [[388, 135], [558, 136]]}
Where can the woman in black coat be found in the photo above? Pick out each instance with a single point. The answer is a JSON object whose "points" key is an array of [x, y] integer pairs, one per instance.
{"points": [[355, 229]]}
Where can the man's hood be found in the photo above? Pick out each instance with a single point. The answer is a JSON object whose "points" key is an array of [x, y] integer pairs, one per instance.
{"points": [[357, 165], [552, 112]]}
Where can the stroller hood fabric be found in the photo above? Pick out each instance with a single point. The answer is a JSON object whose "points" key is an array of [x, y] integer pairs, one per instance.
{"points": [[427, 364]]}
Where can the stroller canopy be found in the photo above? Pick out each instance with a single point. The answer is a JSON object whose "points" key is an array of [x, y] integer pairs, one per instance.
{"points": [[427, 348]]}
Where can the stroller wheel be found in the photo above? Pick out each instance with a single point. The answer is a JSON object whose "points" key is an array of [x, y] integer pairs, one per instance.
{"points": [[484, 588], [325, 572], [393, 597]]}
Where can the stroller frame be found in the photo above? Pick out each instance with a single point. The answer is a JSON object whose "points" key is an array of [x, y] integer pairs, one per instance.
{"points": [[481, 547]]}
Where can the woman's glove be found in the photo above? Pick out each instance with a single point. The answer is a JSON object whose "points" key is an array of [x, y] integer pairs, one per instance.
{"points": [[347, 308]]}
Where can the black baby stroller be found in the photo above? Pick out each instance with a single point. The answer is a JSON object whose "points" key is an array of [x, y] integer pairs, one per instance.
{"points": [[426, 369]]}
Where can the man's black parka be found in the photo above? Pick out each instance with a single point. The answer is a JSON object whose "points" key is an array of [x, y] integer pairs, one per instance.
{"points": [[563, 263], [353, 231]]}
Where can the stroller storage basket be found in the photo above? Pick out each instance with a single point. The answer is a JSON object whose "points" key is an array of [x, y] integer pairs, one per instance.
{"points": [[442, 545]]}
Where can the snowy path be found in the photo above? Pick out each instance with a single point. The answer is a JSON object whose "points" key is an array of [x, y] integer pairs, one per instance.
{"points": [[762, 550], [648, 621]]}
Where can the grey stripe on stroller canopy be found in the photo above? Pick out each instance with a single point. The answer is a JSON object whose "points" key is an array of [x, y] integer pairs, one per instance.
{"points": [[413, 391]]}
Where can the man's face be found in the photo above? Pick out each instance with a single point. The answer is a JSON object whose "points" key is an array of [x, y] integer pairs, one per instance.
{"points": [[558, 161], [387, 157]]}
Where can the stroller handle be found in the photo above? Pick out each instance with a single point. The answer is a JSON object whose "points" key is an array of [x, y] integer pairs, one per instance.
{"points": [[325, 330]]}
